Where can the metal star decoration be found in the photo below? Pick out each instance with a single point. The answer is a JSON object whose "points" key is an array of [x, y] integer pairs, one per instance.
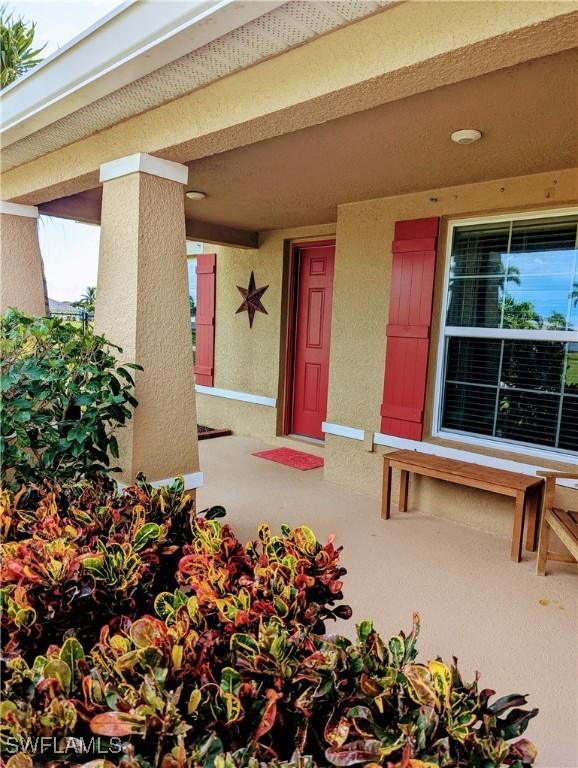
{"points": [[252, 299]]}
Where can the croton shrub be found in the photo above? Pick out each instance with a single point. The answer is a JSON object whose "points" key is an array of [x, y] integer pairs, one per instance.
{"points": [[138, 633], [84, 551], [63, 397]]}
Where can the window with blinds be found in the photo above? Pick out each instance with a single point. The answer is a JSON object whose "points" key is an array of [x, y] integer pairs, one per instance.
{"points": [[510, 369]]}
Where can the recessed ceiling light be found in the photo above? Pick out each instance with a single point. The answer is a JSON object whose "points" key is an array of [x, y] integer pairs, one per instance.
{"points": [[466, 136], [195, 194]]}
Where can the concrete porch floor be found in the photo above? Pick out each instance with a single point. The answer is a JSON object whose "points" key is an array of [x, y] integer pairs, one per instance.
{"points": [[519, 630]]}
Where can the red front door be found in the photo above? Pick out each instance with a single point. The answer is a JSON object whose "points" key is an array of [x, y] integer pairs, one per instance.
{"points": [[312, 337]]}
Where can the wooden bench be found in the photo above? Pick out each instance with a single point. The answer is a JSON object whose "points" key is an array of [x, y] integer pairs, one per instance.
{"points": [[525, 490], [564, 523]]}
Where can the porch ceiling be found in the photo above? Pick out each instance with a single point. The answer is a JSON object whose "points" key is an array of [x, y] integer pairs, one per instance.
{"points": [[528, 115]]}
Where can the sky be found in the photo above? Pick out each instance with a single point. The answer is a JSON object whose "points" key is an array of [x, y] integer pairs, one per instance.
{"points": [[70, 255], [58, 21]]}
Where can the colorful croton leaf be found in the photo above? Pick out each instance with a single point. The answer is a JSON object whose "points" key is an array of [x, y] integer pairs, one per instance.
{"points": [[132, 620], [291, 576], [85, 549], [270, 697]]}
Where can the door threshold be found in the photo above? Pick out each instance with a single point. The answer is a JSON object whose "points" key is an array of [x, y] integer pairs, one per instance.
{"points": [[306, 439]]}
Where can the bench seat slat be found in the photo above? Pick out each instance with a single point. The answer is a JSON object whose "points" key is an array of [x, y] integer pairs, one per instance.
{"points": [[458, 479], [463, 471], [564, 523]]}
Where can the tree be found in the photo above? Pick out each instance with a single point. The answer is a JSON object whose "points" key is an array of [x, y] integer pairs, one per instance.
{"points": [[87, 300], [192, 306], [17, 55], [520, 314], [556, 321], [478, 302]]}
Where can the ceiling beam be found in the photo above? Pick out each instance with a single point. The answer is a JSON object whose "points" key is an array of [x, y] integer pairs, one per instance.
{"points": [[219, 234], [86, 206]]}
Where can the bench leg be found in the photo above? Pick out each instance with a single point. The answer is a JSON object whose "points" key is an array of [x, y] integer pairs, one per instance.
{"points": [[543, 545], [386, 490], [517, 533], [403, 489], [533, 515]]}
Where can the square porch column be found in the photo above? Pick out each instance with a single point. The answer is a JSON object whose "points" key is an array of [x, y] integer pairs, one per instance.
{"points": [[142, 305], [22, 283]]}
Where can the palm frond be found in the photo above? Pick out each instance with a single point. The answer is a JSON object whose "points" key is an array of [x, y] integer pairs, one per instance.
{"points": [[17, 55]]}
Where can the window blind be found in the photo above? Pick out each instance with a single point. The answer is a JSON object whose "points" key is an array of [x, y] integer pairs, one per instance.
{"points": [[511, 342]]}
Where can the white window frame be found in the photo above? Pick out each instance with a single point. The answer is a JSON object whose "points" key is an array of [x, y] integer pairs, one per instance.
{"points": [[505, 333]]}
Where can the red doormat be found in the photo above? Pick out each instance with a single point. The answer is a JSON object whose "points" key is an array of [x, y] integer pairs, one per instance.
{"points": [[291, 458]]}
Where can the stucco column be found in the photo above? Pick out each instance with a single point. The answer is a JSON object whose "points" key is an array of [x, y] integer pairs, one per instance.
{"points": [[22, 283], [142, 305]]}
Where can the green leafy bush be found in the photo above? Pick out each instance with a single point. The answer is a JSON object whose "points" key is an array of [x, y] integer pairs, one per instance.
{"points": [[63, 396], [228, 665]]}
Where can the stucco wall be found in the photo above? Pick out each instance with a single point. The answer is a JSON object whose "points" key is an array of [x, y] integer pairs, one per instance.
{"points": [[143, 308], [249, 360], [22, 283], [361, 303]]}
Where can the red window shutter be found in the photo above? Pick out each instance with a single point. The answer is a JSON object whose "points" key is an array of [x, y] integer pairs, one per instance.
{"points": [[408, 330], [205, 344]]}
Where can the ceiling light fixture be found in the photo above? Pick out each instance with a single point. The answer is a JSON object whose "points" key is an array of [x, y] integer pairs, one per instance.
{"points": [[195, 194], [466, 136]]}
